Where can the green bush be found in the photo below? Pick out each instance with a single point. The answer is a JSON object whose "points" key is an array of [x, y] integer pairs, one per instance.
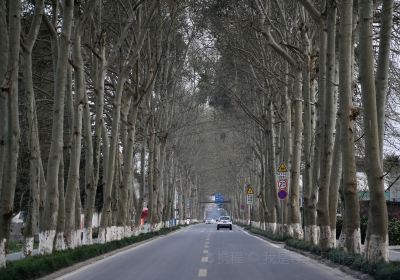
{"points": [[13, 246], [394, 232], [39, 266], [380, 271]]}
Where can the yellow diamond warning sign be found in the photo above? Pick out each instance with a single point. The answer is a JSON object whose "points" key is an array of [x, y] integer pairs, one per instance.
{"points": [[282, 168], [249, 190]]}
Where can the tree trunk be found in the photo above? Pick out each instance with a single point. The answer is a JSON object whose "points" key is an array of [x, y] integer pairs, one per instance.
{"points": [[328, 130], [90, 176], [335, 181], [47, 234], [93, 154], [273, 194], [78, 218], [9, 179], [294, 210], [382, 71], [351, 234], [4, 45], [308, 152], [312, 231], [376, 243], [162, 185], [110, 170], [156, 181], [59, 243], [287, 141], [142, 178], [4, 53], [150, 184], [32, 223], [127, 180], [75, 158]]}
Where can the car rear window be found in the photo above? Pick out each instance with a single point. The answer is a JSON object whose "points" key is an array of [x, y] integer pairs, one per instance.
{"points": [[225, 218]]}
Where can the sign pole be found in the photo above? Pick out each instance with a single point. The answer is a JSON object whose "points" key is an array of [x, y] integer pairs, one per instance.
{"points": [[283, 186], [250, 216], [282, 217], [249, 200]]}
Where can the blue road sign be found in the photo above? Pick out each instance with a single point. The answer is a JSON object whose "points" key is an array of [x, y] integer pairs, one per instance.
{"points": [[218, 197], [282, 194]]}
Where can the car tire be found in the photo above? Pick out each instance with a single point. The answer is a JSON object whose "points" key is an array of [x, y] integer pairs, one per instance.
{"points": [[217, 228], [230, 228]]}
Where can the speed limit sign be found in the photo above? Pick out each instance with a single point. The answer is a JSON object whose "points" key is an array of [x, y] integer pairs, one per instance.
{"points": [[283, 184]]}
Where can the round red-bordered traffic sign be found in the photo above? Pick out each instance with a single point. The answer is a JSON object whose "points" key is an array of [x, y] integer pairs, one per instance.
{"points": [[282, 194]]}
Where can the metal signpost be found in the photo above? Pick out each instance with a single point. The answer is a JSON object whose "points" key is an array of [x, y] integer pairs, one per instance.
{"points": [[250, 200], [283, 185]]}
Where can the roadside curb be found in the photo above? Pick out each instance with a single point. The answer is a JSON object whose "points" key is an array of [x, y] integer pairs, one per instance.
{"points": [[355, 273], [261, 236], [77, 266]]}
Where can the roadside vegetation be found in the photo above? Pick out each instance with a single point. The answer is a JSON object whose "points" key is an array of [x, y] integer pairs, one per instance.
{"points": [[38, 266], [380, 271]]}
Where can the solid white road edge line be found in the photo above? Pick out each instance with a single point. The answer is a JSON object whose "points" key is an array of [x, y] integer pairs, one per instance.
{"points": [[255, 236], [106, 258]]}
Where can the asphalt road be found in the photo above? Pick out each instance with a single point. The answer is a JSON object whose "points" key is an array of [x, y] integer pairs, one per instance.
{"points": [[202, 252]]}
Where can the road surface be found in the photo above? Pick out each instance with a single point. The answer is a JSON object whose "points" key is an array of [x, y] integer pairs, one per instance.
{"points": [[202, 252]]}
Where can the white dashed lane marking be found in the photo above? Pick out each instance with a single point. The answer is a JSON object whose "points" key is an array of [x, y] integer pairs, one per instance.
{"points": [[202, 272]]}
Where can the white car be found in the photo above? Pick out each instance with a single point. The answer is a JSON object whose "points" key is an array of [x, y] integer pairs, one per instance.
{"points": [[224, 222]]}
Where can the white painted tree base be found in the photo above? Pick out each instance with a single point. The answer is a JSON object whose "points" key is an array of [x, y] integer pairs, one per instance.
{"points": [[376, 248], [87, 236], [350, 244], [280, 230], [102, 236], [332, 239], [46, 239], [136, 231], [69, 239], [110, 235], [356, 241], [155, 227], [27, 247], [295, 231], [256, 224], [3, 253], [128, 231], [60, 242], [285, 229], [119, 233], [324, 236], [78, 238], [271, 227], [341, 244], [311, 234], [145, 228]]}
